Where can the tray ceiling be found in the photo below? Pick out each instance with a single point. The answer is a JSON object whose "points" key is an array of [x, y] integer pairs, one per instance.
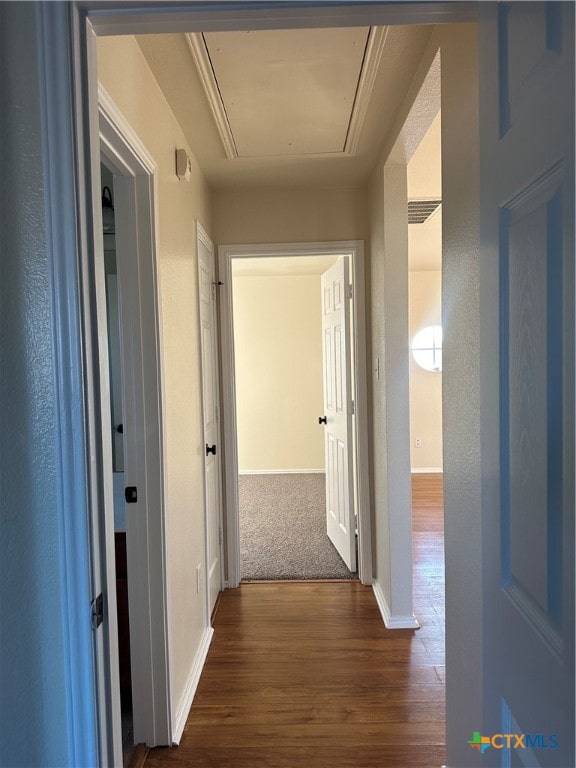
{"points": [[288, 92], [286, 108]]}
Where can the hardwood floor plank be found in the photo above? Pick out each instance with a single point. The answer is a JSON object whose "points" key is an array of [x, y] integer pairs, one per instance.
{"points": [[313, 734], [395, 756], [305, 675], [323, 710]]}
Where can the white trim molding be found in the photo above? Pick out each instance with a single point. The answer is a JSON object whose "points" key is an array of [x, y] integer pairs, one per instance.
{"points": [[135, 187], [75, 441], [390, 621], [427, 471], [119, 137], [374, 48], [183, 709], [199, 51], [354, 249], [127, 17]]}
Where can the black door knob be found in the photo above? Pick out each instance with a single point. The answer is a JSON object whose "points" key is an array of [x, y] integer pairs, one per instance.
{"points": [[210, 449], [322, 420], [131, 494], [120, 429]]}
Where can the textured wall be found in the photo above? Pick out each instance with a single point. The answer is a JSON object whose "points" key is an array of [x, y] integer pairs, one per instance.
{"points": [[425, 308], [33, 688], [125, 75], [377, 389], [388, 269], [293, 215]]}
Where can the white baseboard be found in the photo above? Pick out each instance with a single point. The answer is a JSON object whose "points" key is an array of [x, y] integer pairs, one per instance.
{"points": [[191, 686], [282, 472], [392, 622], [427, 471]]}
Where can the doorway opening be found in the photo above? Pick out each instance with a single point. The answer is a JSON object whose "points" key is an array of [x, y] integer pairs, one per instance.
{"points": [[424, 187], [281, 423], [289, 474], [118, 460], [135, 686]]}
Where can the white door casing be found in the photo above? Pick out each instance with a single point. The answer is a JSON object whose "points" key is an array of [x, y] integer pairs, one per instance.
{"points": [[354, 250], [340, 519], [211, 415], [139, 313], [67, 39], [527, 293]]}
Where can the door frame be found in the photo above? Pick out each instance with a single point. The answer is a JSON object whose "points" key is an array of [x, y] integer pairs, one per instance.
{"points": [[67, 35], [355, 250], [139, 300]]}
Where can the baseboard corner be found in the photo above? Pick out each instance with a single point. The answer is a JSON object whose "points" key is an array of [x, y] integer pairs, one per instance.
{"points": [[391, 621], [186, 703]]}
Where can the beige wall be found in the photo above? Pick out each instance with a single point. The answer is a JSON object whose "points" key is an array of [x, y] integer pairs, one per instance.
{"points": [[127, 78], [381, 555], [425, 308], [278, 354], [290, 215]]}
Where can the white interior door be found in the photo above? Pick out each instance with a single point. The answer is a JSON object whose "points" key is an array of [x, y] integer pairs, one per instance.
{"points": [[527, 235], [340, 518], [211, 415]]}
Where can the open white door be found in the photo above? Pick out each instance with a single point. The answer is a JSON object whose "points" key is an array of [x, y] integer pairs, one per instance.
{"points": [[340, 518], [527, 235], [211, 415]]}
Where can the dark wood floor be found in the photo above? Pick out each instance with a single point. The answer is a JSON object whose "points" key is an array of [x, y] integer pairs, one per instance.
{"points": [[305, 675]]}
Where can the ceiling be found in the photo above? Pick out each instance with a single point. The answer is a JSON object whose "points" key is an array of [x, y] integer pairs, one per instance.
{"points": [[286, 96], [286, 108], [295, 108]]}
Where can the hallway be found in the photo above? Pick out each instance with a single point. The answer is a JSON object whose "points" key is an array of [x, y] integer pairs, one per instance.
{"points": [[306, 674]]}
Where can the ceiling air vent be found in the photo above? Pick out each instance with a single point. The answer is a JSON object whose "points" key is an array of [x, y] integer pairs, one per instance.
{"points": [[421, 210]]}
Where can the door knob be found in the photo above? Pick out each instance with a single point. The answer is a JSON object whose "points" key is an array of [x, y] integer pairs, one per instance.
{"points": [[131, 494], [210, 449], [120, 429], [322, 420]]}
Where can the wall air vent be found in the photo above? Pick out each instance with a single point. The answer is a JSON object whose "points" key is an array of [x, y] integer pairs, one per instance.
{"points": [[421, 210]]}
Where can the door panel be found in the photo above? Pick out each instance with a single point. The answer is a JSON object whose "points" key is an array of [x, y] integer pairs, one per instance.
{"points": [[527, 229], [207, 298], [340, 519]]}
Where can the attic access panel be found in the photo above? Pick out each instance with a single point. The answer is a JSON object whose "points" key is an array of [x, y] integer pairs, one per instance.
{"points": [[288, 92]]}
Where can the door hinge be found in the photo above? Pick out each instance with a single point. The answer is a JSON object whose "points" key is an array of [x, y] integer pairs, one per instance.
{"points": [[220, 537], [97, 606], [352, 407], [349, 291], [216, 284]]}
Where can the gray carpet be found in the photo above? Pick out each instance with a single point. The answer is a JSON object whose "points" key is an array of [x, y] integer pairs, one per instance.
{"points": [[283, 529]]}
